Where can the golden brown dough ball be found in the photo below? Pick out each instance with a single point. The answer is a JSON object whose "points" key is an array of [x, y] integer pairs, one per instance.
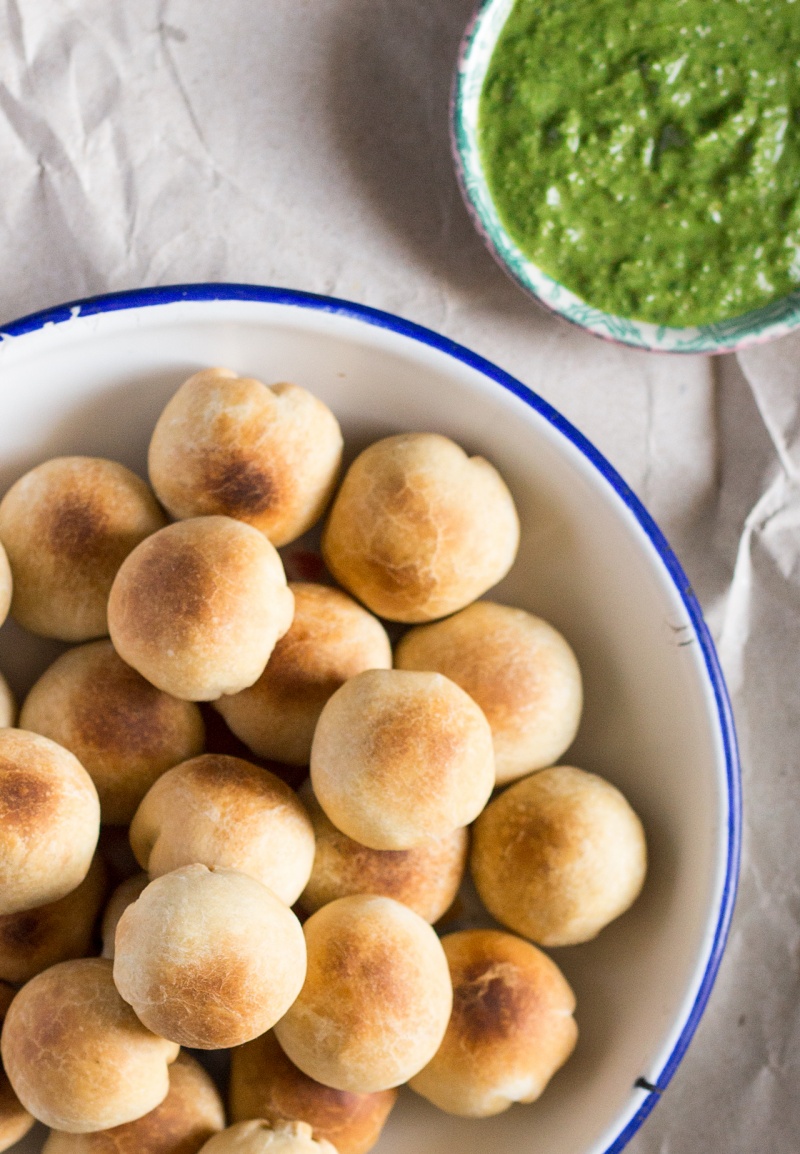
{"points": [[15, 1121], [49, 821], [198, 607], [76, 1054], [265, 1084], [520, 671], [189, 1115], [510, 1030], [8, 706], [209, 958], [124, 895], [419, 529], [6, 584], [400, 758], [259, 1137], [32, 940], [67, 526], [425, 878], [223, 811], [266, 455], [330, 640], [123, 730], [558, 856], [376, 1000]]}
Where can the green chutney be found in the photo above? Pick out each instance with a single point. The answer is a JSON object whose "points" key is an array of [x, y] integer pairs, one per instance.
{"points": [[646, 153]]}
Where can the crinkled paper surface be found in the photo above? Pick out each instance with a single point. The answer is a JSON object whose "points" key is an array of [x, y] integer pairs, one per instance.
{"points": [[304, 143]]}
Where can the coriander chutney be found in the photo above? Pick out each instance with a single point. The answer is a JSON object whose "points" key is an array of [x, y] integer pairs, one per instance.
{"points": [[646, 153]]}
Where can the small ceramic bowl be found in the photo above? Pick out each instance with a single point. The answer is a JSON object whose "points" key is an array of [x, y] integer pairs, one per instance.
{"points": [[91, 378], [764, 324]]}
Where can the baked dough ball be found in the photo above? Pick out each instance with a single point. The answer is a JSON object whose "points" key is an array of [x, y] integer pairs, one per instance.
{"points": [[32, 940], [5, 584], [15, 1121], [520, 671], [266, 455], [8, 706], [400, 758], [376, 1000], [258, 1137], [67, 526], [189, 1115], [222, 811], [419, 529], [265, 1084], [209, 958], [425, 878], [49, 821], [123, 730], [77, 1056], [330, 640], [198, 607], [510, 1030], [124, 895], [558, 856]]}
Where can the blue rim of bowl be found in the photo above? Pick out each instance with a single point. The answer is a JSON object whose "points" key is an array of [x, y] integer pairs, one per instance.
{"points": [[206, 292], [773, 320]]}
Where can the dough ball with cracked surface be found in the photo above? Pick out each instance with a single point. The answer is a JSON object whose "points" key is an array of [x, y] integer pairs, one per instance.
{"points": [[8, 706], [266, 1084], [558, 856], [418, 529], [226, 812], [400, 758], [520, 671], [425, 878], [191, 1113], [376, 1000], [268, 455], [331, 639], [67, 526], [15, 1121], [126, 893], [197, 608], [77, 1056], [123, 730], [510, 1030], [49, 821], [260, 1137], [209, 958]]}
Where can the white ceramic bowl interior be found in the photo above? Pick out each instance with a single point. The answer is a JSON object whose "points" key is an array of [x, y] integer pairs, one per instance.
{"points": [[92, 379]]}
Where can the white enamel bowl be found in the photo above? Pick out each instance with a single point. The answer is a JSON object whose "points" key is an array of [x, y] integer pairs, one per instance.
{"points": [[92, 379]]}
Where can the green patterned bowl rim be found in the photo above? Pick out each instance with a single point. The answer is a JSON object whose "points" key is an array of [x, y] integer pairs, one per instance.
{"points": [[764, 324]]}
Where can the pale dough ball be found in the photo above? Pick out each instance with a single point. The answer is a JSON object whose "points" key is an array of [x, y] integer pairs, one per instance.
{"points": [[8, 706], [49, 821], [266, 455], [558, 856], [198, 607], [123, 896], [76, 1054], [223, 811], [425, 878], [510, 1030], [258, 1137], [67, 526], [32, 940], [209, 958], [520, 671], [15, 1121], [419, 529], [330, 640], [376, 1000], [189, 1115], [400, 758], [123, 730], [5, 584], [265, 1084]]}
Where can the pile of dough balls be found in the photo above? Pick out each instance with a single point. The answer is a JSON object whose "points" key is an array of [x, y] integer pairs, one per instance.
{"points": [[306, 931]]}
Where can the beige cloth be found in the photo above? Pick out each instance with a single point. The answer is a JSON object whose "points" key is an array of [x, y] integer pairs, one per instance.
{"points": [[304, 143]]}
